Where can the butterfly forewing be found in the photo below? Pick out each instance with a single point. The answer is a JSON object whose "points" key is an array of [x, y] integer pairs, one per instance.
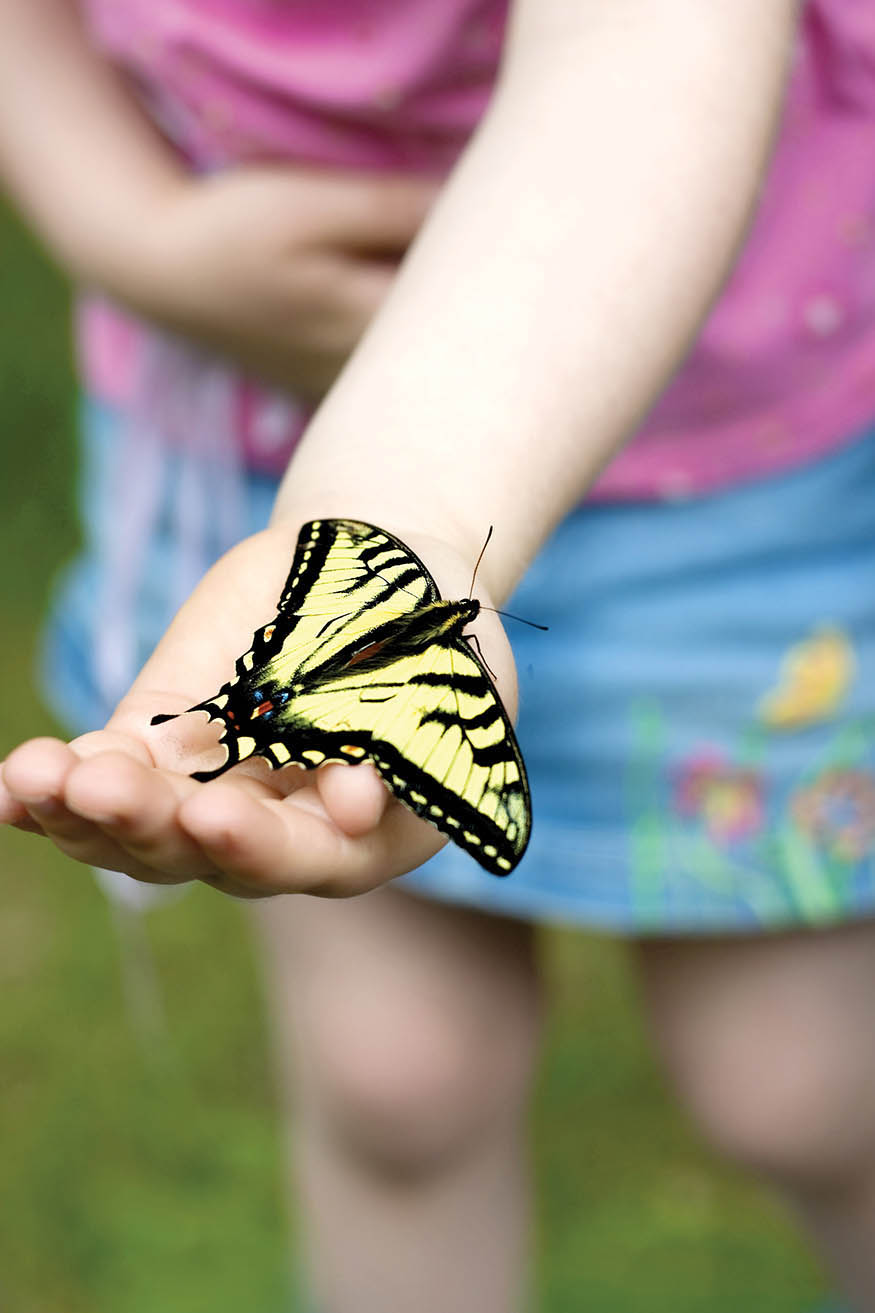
{"points": [[346, 580]]}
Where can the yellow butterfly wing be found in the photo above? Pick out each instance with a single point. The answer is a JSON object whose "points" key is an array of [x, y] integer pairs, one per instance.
{"points": [[347, 578], [365, 661]]}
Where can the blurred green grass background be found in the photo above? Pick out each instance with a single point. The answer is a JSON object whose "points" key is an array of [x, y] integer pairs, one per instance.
{"points": [[134, 1180]]}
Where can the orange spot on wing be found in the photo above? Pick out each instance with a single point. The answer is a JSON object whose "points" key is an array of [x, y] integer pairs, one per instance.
{"points": [[365, 652]]}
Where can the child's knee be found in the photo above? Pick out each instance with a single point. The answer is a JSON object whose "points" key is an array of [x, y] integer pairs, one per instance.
{"points": [[407, 1085], [407, 1032], [787, 1112], [781, 1091]]}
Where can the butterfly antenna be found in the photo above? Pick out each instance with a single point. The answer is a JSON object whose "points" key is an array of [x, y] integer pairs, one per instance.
{"points": [[479, 559], [509, 615]]}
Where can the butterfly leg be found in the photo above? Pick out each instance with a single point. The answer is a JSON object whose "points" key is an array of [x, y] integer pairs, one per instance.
{"points": [[472, 638]]}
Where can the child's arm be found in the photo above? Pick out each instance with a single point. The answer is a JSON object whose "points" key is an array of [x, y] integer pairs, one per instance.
{"points": [[280, 268], [553, 290], [563, 272]]}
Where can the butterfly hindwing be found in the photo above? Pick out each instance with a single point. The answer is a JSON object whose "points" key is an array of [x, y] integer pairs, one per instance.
{"points": [[437, 733], [364, 660]]}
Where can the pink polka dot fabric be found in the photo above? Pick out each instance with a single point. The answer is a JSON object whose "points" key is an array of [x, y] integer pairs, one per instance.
{"points": [[784, 367]]}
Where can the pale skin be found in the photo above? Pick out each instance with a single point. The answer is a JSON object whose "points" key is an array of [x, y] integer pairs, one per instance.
{"points": [[530, 316]]}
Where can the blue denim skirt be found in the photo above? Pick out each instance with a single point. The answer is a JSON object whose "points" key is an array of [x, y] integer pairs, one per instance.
{"points": [[698, 723]]}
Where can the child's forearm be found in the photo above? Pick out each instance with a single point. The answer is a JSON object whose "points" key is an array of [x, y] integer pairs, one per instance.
{"points": [[76, 153], [561, 276]]}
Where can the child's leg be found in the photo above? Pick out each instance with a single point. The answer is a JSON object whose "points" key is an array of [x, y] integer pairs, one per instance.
{"points": [[771, 1044], [408, 1032]]}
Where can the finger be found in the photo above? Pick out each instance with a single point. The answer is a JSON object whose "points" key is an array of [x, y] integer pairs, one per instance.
{"points": [[380, 214], [365, 287], [16, 815], [226, 884], [354, 797], [34, 774], [292, 846], [28, 825], [38, 774], [254, 844], [85, 842], [112, 740], [11, 811], [134, 808]]}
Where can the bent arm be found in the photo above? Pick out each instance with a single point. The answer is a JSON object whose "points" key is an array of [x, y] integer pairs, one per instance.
{"points": [[76, 153], [561, 276]]}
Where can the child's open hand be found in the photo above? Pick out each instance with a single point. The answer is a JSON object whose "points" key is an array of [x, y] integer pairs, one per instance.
{"points": [[279, 268], [122, 797]]}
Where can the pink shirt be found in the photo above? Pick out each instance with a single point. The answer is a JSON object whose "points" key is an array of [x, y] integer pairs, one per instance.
{"points": [[784, 368]]}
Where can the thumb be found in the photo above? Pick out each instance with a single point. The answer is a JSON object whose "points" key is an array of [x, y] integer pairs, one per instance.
{"points": [[383, 214], [354, 796]]}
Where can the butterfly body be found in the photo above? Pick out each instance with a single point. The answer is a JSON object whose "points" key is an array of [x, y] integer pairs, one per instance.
{"points": [[365, 661]]}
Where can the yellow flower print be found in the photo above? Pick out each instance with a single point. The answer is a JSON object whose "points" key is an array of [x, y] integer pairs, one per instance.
{"points": [[814, 678]]}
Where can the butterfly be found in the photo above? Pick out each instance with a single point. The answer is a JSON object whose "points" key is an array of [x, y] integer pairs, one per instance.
{"points": [[365, 661], [815, 677]]}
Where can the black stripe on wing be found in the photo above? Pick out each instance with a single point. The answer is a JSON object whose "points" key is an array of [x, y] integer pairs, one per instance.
{"points": [[494, 847], [316, 542]]}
